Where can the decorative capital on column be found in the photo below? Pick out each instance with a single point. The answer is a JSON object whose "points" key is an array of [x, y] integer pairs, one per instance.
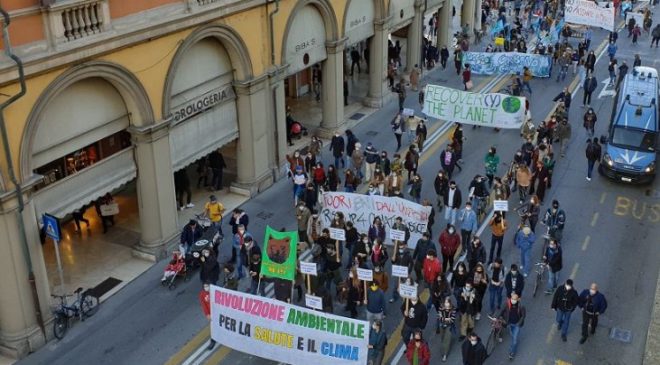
{"points": [[418, 5], [150, 133], [381, 24], [249, 87], [336, 46], [278, 73]]}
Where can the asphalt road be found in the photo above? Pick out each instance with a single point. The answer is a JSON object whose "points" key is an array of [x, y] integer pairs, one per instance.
{"points": [[610, 238]]}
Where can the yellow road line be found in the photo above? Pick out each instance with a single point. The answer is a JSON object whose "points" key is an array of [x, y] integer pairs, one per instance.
{"points": [[539, 362], [395, 338], [594, 219], [190, 347], [218, 356], [574, 271], [586, 243], [602, 197], [551, 333]]}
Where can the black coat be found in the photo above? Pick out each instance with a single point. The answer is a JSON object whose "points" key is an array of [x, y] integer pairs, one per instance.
{"points": [[565, 300], [556, 262], [457, 198], [520, 284], [337, 146], [210, 270], [590, 84], [473, 355]]}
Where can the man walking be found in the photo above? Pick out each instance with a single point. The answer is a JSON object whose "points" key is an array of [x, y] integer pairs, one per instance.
{"points": [[527, 77], [337, 146], [473, 350], [205, 302], [469, 225], [355, 60], [590, 85], [525, 238], [593, 304], [593, 154], [452, 201], [514, 282], [564, 302], [513, 315]]}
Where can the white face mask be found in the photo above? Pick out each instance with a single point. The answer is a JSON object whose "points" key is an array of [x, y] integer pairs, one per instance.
{"points": [[468, 208], [451, 231], [473, 342], [413, 301], [568, 287], [513, 301], [592, 292], [241, 231], [301, 208], [207, 288]]}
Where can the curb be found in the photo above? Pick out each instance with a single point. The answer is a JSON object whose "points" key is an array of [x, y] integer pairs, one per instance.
{"points": [[652, 350]]}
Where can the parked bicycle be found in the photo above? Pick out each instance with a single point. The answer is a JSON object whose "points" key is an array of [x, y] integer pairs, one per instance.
{"points": [[482, 208], [541, 268], [495, 337], [83, 307]]}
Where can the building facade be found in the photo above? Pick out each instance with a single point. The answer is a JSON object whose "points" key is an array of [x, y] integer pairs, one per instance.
{"points": [[130, 91]]}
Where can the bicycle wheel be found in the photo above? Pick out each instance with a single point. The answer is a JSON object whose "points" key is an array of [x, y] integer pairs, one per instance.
{"points": [[60, 325], [89, 305], [537, 282], [491, 343]]}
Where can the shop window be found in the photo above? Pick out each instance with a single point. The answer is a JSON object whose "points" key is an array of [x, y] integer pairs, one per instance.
{"points": [[83, 158]]}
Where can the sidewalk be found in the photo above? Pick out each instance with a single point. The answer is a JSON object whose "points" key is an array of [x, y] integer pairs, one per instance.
{"points": [[652, 352]]}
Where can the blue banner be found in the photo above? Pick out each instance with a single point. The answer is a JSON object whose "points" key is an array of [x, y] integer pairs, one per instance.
{"points": [[486, 63]]}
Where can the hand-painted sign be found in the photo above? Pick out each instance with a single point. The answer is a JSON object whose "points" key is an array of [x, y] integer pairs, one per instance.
{"points": [[489, 63], [589, 13]]}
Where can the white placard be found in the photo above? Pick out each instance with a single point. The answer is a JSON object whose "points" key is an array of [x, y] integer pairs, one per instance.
{"points": [[407, 112], [308, 268], [337, 234], [399, 271], [361, 209], [365, 274], [589, 13], [250, 323], [501, 205], [408, 291], [397, 235], [314, 302]]}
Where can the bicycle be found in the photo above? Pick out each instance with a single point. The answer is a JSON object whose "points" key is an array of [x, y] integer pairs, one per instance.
{"points": [[541, 268], [495, 336], [84, 307], [481, 208]]}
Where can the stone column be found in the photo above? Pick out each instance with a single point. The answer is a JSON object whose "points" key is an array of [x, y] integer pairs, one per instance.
{"points": [[19, 330], [477, 14], [445, 26], [377, 65], [156, 196], [278, 102], [414, 42], [253, 159], [467, 15], [333, 89]]}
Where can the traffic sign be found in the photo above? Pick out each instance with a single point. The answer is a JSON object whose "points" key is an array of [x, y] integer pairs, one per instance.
{"points": [[52, 226]]}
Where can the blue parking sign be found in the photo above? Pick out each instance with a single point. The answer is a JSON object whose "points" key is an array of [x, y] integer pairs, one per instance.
{"points": [[52, 226]]}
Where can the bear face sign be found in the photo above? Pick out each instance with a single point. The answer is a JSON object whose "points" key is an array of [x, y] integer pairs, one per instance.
{"points": [[278, 250]]}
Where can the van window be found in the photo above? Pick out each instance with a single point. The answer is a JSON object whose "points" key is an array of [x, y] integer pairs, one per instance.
{"points": [[634, 139]]}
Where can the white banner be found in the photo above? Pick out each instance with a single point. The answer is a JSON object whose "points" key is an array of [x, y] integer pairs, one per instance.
{"points": [[283, 332], [488, 110], [361, 209], [589, 13]]}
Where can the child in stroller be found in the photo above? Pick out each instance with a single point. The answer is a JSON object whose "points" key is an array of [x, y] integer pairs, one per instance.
{"points": [[176, 267]]}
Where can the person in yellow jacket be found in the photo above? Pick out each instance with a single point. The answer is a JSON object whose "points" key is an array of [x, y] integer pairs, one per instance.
{"points": [[527, 77], [498, 226], [213, 209]]}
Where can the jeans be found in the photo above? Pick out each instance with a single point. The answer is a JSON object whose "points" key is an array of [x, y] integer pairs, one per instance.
{"points": [[562, 73], [465, 239], [254, 285], [495, 297], [590, 167], [495, 241], [338, 159], [349, 189], [406, 333], [525, 84], [371, 317], [525, 263], [450, 215], [553, 279], [586, 100], [563, 321], [514, 331]]}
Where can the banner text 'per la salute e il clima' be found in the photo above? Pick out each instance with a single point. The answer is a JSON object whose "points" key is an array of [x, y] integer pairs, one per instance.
{"points": [[283, 332]]}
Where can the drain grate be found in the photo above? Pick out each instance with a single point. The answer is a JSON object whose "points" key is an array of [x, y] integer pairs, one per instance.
{"points": [[371, 133], [621, 335], [357, 116], [265, 215]]}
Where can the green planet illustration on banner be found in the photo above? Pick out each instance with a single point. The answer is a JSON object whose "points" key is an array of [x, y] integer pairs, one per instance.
{"points": [[511, 104]]}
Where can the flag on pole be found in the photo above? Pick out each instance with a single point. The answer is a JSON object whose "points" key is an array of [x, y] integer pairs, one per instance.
{"points": [[280, 254]]}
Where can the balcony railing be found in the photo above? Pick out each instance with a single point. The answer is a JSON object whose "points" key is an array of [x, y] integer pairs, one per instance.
{"points": [[76, 19]]}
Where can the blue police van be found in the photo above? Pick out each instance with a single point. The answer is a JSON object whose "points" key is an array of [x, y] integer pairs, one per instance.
{"points": [[632, 141]]}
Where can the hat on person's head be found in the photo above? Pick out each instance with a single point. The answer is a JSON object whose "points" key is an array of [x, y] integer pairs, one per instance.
{"points": [[213, 198], [192, 222]]}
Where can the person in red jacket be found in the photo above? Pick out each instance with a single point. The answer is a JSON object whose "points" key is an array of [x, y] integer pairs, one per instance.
{"points": [[205, 302], [418, 351], [432, 267], [450, 241]]}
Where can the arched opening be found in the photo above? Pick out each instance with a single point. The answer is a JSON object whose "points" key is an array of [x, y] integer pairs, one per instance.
{"points": [[359, 33]]}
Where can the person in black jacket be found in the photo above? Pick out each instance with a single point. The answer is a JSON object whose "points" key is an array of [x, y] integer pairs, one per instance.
{"points": [[238, 217], [210, 270], [566, 97], [564, 302], [190, 234], [514, 282], [553, 258], [181, 187], [415, 317], [473, 350], [452, 201], [593, 153], [441, 184], [217, 163], [337, 147], [593, 304], [444, 56], [589, 86], [401, 257], [351, 140]]}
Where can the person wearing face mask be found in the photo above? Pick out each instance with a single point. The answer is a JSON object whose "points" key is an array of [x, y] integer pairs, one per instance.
{"points": [[452, 200], [210, 269], [376, 303], [432, 269], [254, 269], [441, 185], [468, 308], [331, 259], [205, 302], [498, 226], [190, 234], [514, 282], [352, 240], [384, 163], [302, 218], [525, 239], [337, 146], [362, 249], [552, 257], [401, 257], [352, 289], [377, 343], [415, 317], [446, 327], [411, 161], [448, 160], [514, 314], [491, 162], [332, 179], [238, 249], [379, 254], [449, 241], [458, 279], [479, 280], [532, 210], [397, 128], [555, 218], [376, 230], [398, 225], [381, 277], [415, 189], [469, 225], [476, 253], [593, 304], [496, 284], [418, 352], [564, 302], [313, 227], [473, 350], [419, 254]]}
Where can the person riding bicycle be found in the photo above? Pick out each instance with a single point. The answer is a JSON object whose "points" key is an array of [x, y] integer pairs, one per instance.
{"points": [[555, 219], [478, 192]]}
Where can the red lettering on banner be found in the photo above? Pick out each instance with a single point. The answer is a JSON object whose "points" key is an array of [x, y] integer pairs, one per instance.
{"points": [[250, 306], [336, 201], [383, 206]]}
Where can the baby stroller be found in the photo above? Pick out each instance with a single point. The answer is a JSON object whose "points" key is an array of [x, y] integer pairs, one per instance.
{"points": [[176, 267], [195, 253]]}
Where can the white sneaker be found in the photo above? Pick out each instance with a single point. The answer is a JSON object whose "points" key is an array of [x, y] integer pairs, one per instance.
{"points": [[190, 205], [478, 316], [588, 178]]}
